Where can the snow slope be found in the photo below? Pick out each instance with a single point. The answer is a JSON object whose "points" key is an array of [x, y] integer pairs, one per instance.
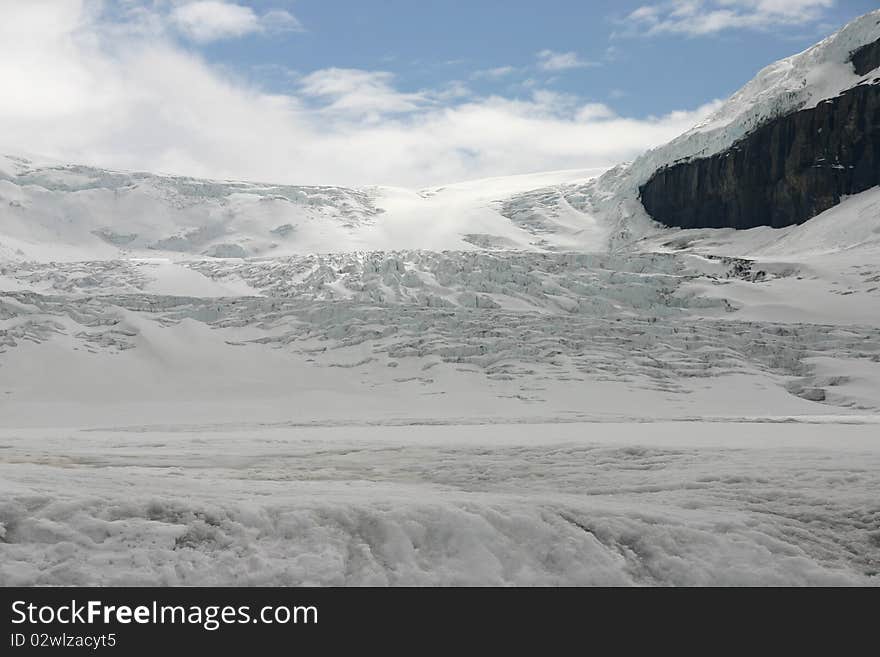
{"points": [[69, 212]]}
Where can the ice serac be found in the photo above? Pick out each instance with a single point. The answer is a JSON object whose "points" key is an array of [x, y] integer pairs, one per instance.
{"points": [[788, 168]]}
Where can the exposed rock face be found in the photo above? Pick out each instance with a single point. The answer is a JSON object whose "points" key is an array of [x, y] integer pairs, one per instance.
{"points": [[783, 173], [866, 58]]}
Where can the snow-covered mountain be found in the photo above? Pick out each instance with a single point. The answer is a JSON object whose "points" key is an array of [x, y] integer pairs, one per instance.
{"points": [[63, 212], [796, 84], [60, 211]]}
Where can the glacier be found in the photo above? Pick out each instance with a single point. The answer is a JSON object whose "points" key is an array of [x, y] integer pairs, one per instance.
{"points": [[512, 381]]}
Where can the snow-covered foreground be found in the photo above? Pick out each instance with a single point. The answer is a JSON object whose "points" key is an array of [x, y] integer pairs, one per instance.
{"points": [[560, 504], [660, 415], [665, 416]]}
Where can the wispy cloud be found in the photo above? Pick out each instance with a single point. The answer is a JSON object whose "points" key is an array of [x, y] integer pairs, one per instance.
{"points": [[494, 73], [355, 91], [550, 60], [213, 20], [705, 17]]}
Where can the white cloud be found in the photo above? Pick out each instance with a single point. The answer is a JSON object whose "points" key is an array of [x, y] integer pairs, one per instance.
{"points": [[281, 20], [494, 73], [550, 60], [354, 91], [703, 17], [212, 20], [82, 90], [595, 112]]}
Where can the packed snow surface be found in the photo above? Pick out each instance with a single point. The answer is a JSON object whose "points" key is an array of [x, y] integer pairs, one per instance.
{"points": [[571, 504]]}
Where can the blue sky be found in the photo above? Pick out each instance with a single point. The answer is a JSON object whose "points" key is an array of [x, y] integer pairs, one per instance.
{"points": [[427, 43], [402, 92]]}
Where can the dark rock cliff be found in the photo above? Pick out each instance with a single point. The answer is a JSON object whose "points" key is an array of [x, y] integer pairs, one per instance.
{"points": [[784, 172], [866, 58]]}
